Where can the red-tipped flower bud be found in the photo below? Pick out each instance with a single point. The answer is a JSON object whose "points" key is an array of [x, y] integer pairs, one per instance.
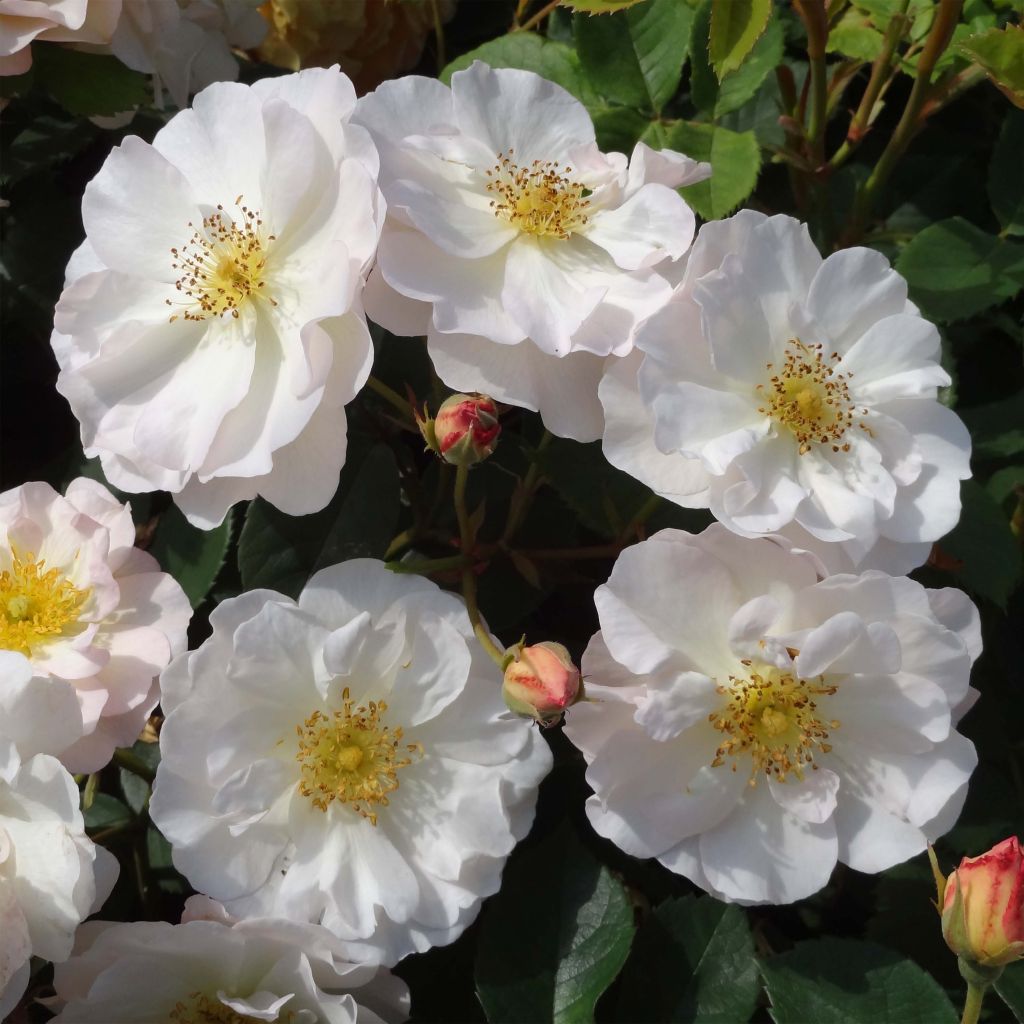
{"points": [[466, 428], [541, 682], [983, 906]]}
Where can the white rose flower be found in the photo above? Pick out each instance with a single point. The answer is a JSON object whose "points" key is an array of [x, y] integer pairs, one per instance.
{"points": [[23, 22], [751, 725], [210, 330], [185, 44], [214, 968], [781, 389], [346, 759], [523, 252], [87, 623], [51, 874]]}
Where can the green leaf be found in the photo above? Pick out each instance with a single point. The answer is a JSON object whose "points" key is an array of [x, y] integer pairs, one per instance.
{"points": [[618, 128], [841, 981], [546, 954], [955, 269], [599, 6], [735, 159], [718, 98], [997, 429], [134, 790], [281, 551], [106, 812], [636, 57], [1010, 987], [1006, 175], [855, 35], [1000, 54], [192, 556], [693, 960], [736, 25], [88, 84], [985, 547], [532, 52]]}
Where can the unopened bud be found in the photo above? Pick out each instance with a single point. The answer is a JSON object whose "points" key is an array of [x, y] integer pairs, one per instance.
{"points": [[983, 907], [541, 682], [466, 428]]}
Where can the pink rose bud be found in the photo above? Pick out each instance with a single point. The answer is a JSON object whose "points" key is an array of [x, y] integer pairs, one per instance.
{"points": [[983, 906], [541, 682], [466, 428]]}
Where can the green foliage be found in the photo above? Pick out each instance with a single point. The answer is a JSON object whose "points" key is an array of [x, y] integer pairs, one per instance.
{"points": [[987, 551], [735, 159], [736, 25], [1000, 54], [636, 57], [956, 270], [554, 938], [281, 552], [997, 429], [600, 6], [1006, 175], [855, 36], [840, 981], [192, 556], [692, 960], [716, 96], [1010, 987], [86, 83]]}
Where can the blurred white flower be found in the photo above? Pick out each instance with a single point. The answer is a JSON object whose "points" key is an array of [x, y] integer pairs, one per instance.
{"points": [[210, 331], [23, 22], [87, 623], [752, 725], [51, 874], [523, 252], [214, 968], [782, 389], [347, 760], [185, 44]]}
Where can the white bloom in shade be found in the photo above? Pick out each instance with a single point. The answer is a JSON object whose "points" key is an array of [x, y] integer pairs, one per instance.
{"points": [[210, 330], [752, 725], [523, 252], [784, 390], [345, 759], [214, 968], [51, 874], [186, 44], [23, 22], [87, 623]]}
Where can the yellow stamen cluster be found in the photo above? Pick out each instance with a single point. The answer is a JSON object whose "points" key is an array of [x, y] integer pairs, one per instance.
{"points": [[539, 199], [810, 397], [221, 265], [199, 1008], [352, 757], [36, 603], [773, 717]]}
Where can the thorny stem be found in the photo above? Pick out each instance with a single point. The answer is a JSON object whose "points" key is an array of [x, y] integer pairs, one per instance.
{"points": [[880, 70], [468, 575], [941, 32]]}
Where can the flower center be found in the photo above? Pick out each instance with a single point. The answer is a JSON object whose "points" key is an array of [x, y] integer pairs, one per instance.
{"points": [[773, 717], [352, 757], [198, 1008], [221, 265], [539, 199], [35, 603], [810, 398]]}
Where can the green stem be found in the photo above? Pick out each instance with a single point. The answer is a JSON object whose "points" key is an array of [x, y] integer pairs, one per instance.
{"points": [[519, 507], [423, 567], [468, 575], [92, 784], [861, 120], [538, 17], [390, 396], [946, 18], [814, 17], [972, 1004], [131, 762]]}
